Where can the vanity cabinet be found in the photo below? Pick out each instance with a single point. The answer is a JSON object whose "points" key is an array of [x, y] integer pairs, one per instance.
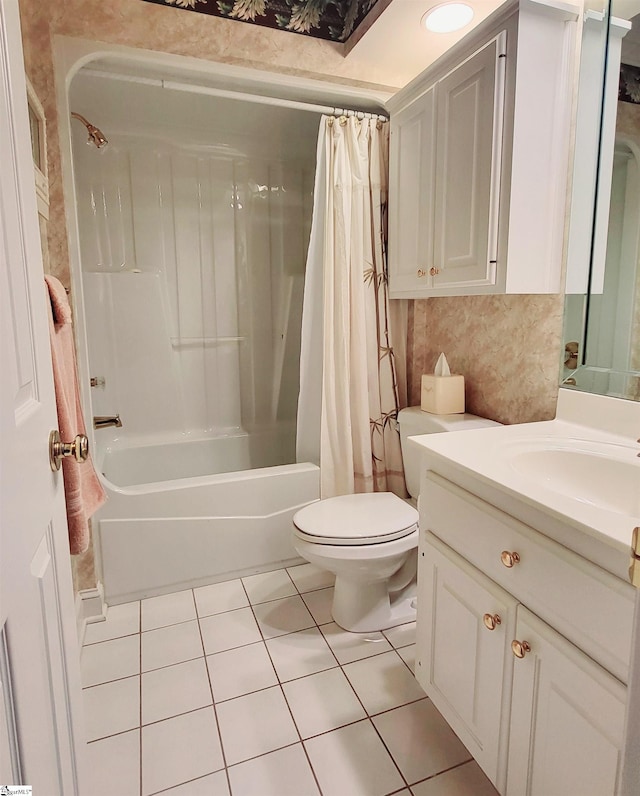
{"points": [[538, 697], [567, 718], [463, 657], [479, 158]]}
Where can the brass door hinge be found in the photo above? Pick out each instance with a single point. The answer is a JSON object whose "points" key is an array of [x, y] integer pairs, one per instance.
{"points": [[634, 566]]}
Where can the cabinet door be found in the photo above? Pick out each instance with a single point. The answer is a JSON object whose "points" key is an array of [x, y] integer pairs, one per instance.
{"points": [[470, 106], [465, 667], [567, 718], [411, 192]]}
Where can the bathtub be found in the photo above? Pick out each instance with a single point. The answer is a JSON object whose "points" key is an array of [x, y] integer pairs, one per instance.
{"points": [[188, 513]]}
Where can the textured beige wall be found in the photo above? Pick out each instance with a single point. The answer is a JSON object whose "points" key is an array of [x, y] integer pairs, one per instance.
{"points": [[507, 348]]}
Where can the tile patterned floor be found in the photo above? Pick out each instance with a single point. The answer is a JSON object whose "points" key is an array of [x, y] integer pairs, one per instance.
{"points": [[248, 688]]}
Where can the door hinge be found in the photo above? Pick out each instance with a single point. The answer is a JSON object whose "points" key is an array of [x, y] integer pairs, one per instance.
{"points": [[634, 566]]}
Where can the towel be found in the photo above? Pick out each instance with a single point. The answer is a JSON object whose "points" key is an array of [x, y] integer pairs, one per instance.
{"points": [[83, 491]]}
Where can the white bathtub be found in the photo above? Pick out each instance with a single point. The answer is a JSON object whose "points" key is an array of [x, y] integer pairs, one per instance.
{"points": [[185, 514]]}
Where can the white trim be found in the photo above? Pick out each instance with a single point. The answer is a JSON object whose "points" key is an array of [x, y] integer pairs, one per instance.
{"points": [[72, 54], [90, 608], [8, 710], [41, 171], [499, 100]]}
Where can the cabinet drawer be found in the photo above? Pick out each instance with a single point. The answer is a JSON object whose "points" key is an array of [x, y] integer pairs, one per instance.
{"points": [[586, 604]]}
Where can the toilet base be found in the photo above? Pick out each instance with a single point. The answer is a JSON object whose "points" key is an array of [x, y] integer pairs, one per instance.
{"points": [[364, 608], [376, 585]]}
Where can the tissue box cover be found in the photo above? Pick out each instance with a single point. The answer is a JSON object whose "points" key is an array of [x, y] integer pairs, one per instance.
{"points": [[442, 395]]}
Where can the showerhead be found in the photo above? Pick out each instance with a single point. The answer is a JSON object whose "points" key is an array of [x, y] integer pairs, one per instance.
{"points": [[96, 136]]}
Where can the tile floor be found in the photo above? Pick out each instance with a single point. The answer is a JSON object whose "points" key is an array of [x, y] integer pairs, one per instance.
{"points": [[248, 688]]}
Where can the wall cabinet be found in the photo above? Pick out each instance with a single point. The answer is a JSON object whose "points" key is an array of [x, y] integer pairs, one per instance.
{"points": [[541, 715], [445, 164], [469, 130], [479, 159], [411, 216]]}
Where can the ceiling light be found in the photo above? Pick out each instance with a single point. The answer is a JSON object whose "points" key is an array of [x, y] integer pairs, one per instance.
{"points": [[447, 17]]}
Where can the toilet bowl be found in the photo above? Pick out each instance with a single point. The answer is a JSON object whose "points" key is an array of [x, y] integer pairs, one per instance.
{"points": [[370, 541]]}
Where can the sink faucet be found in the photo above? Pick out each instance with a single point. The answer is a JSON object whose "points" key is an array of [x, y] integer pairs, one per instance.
{"points": [[106, 421]]}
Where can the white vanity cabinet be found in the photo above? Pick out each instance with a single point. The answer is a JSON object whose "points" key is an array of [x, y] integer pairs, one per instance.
{"points": [[567, 718], [479, 155], [538, 698], [463, 660]]}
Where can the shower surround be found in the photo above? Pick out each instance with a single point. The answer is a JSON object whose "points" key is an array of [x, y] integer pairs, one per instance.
{"points": [[193, 227]]}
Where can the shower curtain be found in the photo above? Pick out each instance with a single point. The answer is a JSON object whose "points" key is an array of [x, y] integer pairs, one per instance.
{"points": [[348, 407]]}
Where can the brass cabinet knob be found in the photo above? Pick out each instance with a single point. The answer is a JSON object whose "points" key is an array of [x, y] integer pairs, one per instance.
{"points": [[520, 648], [491, 621], [509, 559], [59, 450], [433, 271], [420, 273]]}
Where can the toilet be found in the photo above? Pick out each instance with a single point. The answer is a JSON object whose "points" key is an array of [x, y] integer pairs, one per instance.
{"points": [[370, 541]]}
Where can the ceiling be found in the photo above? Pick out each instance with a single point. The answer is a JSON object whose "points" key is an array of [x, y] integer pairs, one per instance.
{"points": [[397, 42]]}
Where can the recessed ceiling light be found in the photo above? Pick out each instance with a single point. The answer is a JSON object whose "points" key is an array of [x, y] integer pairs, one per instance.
{"points": [[447, 17]]}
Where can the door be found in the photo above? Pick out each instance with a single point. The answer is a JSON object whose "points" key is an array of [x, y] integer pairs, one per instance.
{"points": [[470, 104], [465, 626], [411, 191], [567, 718], [40, 732]]}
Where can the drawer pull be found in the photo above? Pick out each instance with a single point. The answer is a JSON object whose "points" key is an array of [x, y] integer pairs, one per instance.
{"points": [[491, 621], [520, 648], [509, 559]]}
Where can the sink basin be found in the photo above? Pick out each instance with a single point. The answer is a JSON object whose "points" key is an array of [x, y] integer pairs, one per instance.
{"points": [[606, 475]]}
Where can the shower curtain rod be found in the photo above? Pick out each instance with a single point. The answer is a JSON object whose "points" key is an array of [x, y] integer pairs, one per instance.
{"points": [[283, 103], [173, 85]]}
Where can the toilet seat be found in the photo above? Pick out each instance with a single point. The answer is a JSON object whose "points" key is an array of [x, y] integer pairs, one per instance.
{"points": [[363, 519]]}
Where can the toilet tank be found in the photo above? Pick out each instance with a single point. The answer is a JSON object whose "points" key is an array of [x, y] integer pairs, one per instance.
{"points": [[413, 421]]}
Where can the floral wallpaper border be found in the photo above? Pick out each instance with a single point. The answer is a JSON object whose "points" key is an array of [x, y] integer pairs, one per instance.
{"points": [[334, 20]]}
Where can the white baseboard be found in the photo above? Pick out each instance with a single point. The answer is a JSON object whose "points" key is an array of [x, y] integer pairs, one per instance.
{"points": [[90, 607]]}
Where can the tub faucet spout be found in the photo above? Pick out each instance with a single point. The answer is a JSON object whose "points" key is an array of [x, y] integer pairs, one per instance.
{"points": [[106, 421]]}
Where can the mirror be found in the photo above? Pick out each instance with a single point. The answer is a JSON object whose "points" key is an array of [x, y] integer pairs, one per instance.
{"points": [[602, 305]]}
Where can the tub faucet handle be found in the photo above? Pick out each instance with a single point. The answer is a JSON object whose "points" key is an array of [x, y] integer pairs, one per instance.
{"points": [[106, 421]]}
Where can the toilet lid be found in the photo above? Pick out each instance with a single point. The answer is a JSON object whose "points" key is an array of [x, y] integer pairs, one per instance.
{"points": [[356, 519]]}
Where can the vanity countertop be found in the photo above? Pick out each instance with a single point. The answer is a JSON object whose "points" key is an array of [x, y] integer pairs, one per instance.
{"points": [[583, 473]]}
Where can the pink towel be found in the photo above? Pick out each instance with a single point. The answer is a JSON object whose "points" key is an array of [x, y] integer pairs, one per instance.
{"points": [[83, 490]]}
